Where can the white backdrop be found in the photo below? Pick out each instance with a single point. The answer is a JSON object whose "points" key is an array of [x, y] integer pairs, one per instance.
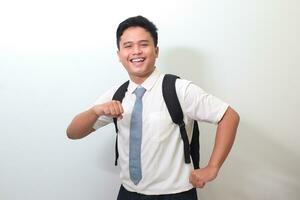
{"points": [[57, 56]]}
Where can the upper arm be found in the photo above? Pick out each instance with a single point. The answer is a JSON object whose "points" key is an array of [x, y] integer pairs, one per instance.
{"points": [[230, 116]]}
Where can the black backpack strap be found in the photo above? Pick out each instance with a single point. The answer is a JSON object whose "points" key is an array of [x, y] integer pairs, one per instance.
{"points": [[174, 108], [118, 96], [195, 146]]}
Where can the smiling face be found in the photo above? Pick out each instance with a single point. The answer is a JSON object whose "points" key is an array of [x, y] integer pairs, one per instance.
{"points": [[137, 53]]}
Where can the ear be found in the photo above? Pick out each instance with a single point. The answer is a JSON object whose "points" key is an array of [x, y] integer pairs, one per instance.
{"points": [[156, 51]]}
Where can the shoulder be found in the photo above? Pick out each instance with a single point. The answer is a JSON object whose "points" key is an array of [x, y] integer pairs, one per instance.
{"points": [[182, 85], [189, 92]]}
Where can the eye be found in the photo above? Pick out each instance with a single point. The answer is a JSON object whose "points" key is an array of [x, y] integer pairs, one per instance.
{"points": [[127, 46], [144, 44]]}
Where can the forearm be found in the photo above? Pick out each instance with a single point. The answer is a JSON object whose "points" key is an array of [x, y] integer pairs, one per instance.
{"points": [[82, 124], [225, 136]]}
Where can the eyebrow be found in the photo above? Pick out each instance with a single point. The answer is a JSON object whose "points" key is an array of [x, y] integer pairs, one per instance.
{"points": [[130, 42]]}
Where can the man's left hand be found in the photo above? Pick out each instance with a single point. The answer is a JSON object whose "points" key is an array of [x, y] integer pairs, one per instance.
{"points": [[199, 177]]}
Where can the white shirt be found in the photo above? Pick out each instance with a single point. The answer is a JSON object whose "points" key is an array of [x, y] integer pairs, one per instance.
{"points": [[163, 168]]}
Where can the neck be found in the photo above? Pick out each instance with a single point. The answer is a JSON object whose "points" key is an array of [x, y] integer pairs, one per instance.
{"points": [[140, 79]]}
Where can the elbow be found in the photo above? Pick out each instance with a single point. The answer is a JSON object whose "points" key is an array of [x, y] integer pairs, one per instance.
{"points": [[75, 133], [71, 134]]}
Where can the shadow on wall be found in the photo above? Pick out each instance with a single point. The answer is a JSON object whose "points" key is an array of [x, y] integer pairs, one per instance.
{"points": [[186, 62], [258, 168]]}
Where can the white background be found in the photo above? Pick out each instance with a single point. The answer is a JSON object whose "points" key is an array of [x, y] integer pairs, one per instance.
{"points": [[57, 56]]}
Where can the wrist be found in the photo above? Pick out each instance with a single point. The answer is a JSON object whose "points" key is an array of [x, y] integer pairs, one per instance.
{"points": [[214, 166], [96, 111]]}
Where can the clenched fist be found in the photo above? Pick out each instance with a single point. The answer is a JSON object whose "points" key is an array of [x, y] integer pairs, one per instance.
{"points": [[112, 109], [200, 177]]}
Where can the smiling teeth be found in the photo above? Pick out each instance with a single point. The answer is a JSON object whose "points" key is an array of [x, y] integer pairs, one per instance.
{"points": [[137, 60]]}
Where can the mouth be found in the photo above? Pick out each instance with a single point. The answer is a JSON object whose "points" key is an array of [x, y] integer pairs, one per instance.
{"points": [[137, 60]]}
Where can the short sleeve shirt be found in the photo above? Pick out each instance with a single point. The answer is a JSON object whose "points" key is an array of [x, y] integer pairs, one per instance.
{"points": [[164, 170]]}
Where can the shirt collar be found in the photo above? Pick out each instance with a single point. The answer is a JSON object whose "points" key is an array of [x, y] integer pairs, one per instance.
{"points": [[147, 84]]}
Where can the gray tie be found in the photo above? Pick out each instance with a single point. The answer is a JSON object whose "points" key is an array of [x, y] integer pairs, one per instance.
{"points": [[135, 170]]}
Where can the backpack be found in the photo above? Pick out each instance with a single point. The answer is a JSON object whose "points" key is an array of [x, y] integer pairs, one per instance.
{"points": [[174, 108]]}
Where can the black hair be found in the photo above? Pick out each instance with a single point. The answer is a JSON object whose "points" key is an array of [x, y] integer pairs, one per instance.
{"points": [[137, 21]]}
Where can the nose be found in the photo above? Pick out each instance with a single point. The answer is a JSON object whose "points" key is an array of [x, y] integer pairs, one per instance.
{"points": [[136, 50]]}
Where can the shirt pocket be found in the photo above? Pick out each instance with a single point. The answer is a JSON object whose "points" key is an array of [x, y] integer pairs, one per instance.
{"points": [[160, 126]]}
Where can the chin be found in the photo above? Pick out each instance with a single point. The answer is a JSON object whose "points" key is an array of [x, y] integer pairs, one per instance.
{"points": [[138, 70]]}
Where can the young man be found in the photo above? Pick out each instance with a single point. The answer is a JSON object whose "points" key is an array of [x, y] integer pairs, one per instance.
{"points": [[161, 171]]}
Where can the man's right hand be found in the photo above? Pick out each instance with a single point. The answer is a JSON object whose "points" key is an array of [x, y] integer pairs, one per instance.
{"points": [[112, 109], [82, 124]]}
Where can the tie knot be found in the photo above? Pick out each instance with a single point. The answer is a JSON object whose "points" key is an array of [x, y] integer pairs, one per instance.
{"points": [[139, 92]]}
